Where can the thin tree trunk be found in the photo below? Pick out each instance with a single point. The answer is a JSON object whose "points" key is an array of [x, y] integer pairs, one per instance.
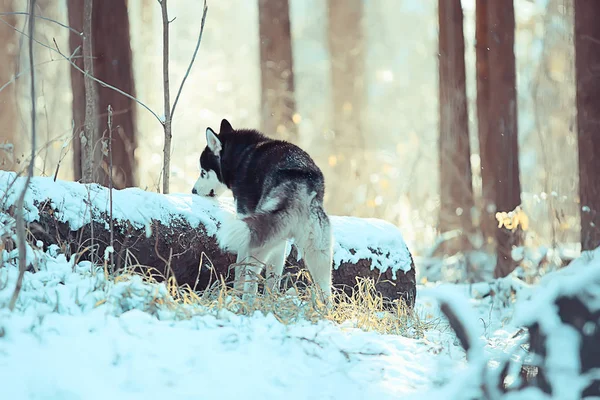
{"points": [[90, 136], [8, 100], [167, 99], [587, 73], [346, 45], [502, 135], [488, 221], [277, 69], [456, 189], [75, 11], [112, 61]]}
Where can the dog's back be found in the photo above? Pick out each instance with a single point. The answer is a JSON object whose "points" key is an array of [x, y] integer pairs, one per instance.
{"points": [[257, 164]]}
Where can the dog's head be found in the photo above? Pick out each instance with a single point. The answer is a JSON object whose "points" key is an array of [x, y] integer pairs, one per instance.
{"points": [[210, 183]]}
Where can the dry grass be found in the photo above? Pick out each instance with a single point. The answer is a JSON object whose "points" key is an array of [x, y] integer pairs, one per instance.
{"points": [[364, 309]]}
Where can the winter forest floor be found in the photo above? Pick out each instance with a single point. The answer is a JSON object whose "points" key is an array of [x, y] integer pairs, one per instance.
{"points": [[78, 333]]}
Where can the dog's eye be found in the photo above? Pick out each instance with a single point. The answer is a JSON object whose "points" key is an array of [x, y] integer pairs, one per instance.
{"points": [[202, 174]]}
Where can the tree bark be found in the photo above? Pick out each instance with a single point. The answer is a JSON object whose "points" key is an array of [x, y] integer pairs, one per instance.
{"points": [[8, 100], [112, 63], [488, 208], [276, 67], [587, 74], [502, 135], [456, 189]]}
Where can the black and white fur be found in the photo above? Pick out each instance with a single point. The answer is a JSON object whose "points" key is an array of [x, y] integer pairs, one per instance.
{"points": [[278, 191]]}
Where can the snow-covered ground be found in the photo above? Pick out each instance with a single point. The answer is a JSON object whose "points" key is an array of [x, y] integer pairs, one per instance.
{"points": [[74, 334], [77, 334]]}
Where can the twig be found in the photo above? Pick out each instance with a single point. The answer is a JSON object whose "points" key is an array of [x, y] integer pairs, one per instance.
{"points": [[104, 84], [60, 156], [167, 99], [193, 59], [26, 71], [19, 212], [45, 19], [110, 188]]}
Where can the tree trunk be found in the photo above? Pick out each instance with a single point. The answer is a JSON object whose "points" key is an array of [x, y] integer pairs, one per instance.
{"points": [[456, 189], [8, 100], [502, 136], [347, 52], [90, 158], [112, 64], [347, 55], [277, 69], [587, 73], [488, 208]]}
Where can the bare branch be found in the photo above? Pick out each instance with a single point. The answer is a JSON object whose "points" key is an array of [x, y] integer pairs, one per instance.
{"points": [[26, 71], [104, 84], [193, 59], [19, 212], [167, 99], [45, 19]]}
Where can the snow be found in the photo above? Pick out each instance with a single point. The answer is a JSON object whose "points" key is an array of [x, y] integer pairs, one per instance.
{"points": [[355, 238], [132, 204], [75, 334], [362, 234]]}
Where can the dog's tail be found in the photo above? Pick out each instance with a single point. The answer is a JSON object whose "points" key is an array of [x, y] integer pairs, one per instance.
{"points": [[234, 236]]}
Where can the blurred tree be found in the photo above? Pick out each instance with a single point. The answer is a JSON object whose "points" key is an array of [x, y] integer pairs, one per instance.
{"points": [[112, 64], [456, 189], [277, 69], [8, 100], [347, 57], [487, 220], [500, 150], [347, 52], [587, 74]]}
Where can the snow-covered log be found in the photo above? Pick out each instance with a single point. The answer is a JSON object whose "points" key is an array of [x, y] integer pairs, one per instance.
{"points": [[177, 233]]}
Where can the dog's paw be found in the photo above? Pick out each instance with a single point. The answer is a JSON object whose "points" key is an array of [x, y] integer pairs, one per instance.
{"points": [[234, 235]]}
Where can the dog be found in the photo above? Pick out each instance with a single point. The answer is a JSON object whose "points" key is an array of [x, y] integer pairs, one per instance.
{"points": [[278, 190]]}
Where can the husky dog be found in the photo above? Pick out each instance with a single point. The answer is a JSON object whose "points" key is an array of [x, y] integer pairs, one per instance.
{"points": [[278, 190]]}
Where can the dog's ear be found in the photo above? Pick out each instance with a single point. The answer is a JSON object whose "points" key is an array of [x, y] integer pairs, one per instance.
{"points": [[225, 126], [213, 142]]}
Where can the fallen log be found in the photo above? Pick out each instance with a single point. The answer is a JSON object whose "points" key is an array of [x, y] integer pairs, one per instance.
{"points": [[177, 234]]}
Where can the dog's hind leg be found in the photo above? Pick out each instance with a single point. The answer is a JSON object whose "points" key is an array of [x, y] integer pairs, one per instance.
{"points": [[318, 251], [274, 266]]}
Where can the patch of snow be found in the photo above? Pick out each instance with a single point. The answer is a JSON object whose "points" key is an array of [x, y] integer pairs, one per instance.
{"points": [[362, 234], [131, 204]]}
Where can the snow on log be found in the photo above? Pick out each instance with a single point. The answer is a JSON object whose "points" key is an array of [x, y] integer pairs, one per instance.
{"points": [[179, 231]]}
